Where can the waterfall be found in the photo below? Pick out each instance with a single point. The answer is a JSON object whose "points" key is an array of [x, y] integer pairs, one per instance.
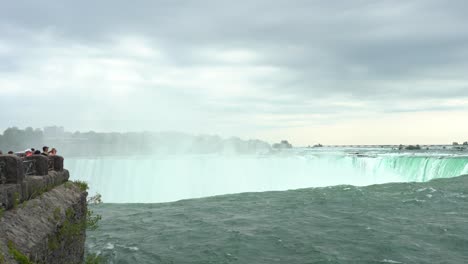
{"points": [[153, 179]]}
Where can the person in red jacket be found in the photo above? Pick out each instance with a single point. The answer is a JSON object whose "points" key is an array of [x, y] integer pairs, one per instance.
{"points": [[28, 153]]}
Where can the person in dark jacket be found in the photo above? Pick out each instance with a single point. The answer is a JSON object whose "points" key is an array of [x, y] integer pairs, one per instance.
{"points": [[45, 151]]}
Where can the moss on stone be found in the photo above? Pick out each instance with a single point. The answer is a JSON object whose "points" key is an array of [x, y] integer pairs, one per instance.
{"points": [[52, 243], [57, 214], [2, 258], [67, 184], [16, 200], [23, 204]]}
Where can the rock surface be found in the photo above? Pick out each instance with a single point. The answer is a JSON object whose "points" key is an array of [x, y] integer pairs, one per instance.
{"points": [[47, 229]]}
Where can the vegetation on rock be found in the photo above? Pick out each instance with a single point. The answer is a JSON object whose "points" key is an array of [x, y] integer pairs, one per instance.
{"points": [[82, 185], [94, 259], [17, 255], [16, 200]]}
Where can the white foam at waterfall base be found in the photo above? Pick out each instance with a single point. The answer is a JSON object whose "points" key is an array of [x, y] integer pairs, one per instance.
{"points": [[154, 179]]}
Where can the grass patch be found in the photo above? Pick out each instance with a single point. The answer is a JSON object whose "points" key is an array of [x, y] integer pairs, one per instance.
{"points": [[17, 255], [16, 200], [2, 210]]}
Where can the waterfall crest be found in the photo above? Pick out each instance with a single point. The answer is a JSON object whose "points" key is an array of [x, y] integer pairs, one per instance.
{"points": [[156, 179]]}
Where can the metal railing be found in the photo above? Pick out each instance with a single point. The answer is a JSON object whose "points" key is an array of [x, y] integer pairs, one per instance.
{"points": [[29, 167]]}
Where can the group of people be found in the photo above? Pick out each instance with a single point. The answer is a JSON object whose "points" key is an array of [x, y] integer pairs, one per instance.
{"points": [[32, 151]]}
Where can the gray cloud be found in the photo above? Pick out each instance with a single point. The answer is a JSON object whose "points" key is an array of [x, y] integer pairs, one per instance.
{"points": [[335, 59]]}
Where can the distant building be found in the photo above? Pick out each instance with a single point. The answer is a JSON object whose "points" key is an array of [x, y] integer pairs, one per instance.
{"points": [[54, 132]]}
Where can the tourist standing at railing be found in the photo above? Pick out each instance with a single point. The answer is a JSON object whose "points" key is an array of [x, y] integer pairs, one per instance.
{"points": [[53, 152], [45, 151], [28, 153]]}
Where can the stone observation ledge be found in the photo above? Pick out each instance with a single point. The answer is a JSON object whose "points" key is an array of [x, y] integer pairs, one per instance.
{"points": [[24, 179]]}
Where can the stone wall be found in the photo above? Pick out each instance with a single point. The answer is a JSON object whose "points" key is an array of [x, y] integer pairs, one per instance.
{"points": [[16, 187], [42, 216]]}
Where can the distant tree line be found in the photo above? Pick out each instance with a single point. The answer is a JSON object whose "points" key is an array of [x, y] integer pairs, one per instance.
{"points": [[16, 139], [131, 143]]}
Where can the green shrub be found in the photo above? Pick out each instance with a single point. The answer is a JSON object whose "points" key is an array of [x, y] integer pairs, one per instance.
{"points": [[92, 220], [96, 199], [82, 185], [94, 259]]}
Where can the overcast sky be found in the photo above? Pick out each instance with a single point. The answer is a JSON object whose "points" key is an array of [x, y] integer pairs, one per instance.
{"points": [[335, 72]]}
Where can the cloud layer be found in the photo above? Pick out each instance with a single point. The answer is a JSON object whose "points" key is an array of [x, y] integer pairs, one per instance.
{"points": [[256, 69]]}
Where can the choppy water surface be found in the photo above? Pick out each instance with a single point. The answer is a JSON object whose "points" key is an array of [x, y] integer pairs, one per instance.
{"points": [[389, 223], [418, 213]]}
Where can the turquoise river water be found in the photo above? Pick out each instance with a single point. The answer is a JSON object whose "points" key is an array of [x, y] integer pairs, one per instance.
{"points": [[296, 206]]}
